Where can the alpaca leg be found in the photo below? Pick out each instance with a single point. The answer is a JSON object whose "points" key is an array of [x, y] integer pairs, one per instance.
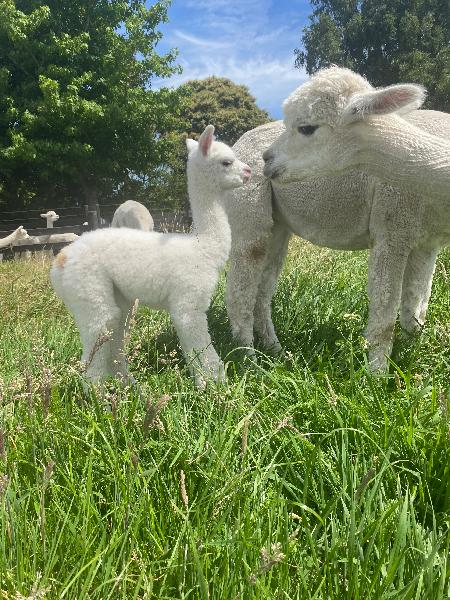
{"points": [[200, 355], [416, 290], [243, 280], [276, 253], [118, 350], [97, 333], [118, 355], [386, 267]]}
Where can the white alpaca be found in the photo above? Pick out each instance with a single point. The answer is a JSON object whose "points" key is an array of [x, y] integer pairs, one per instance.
{"points": [[50, 216], [101, 274], [133, 214], [52, 238], [349, 211], [11, 240], [337, 121]]}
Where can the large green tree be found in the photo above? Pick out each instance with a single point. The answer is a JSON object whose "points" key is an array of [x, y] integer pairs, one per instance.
{"points": [[386, 40], [78, 116], [228, 106]]}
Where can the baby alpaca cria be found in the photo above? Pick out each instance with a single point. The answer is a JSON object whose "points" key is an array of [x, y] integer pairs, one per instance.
{"points": [[103, 272]]}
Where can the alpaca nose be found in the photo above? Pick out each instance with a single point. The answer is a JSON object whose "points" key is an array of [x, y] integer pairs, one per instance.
{"points": [[268, 155], [247, 173]]}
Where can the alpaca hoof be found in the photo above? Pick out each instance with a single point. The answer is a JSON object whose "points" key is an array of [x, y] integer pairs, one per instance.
{"points": [[378, 362], [411, 326], [213, 372], [275, 349]]}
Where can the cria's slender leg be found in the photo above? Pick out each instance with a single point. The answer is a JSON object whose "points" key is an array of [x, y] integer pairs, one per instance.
{"points": [[118, 350], [243, 280], [386, 267], [416, 290], [97, 333], [276, 253], [118, 356], [199, 352]]}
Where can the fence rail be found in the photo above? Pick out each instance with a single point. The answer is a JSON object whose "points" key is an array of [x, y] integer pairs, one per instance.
{"points": [[164, 220], [78, 229]]}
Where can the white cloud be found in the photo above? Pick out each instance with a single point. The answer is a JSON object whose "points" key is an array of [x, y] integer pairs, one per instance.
{"points": [[270, 81], [197, 41], [250, 42]]}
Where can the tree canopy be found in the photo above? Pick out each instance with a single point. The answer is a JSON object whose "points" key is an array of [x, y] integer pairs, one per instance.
{"points": [[78, 115], [387, 41], [228, 106], [216, 100]]}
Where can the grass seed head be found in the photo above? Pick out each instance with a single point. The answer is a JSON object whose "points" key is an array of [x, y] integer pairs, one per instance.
{"points": [[183, 492], [151, 418]]}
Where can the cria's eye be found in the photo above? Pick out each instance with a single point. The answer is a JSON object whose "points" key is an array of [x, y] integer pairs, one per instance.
{"points": [[227, 163], [307, 129]]}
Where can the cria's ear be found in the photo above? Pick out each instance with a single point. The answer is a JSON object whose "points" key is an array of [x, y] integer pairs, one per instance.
{"points": [[206, 139], [191, 145], [393, 99]]}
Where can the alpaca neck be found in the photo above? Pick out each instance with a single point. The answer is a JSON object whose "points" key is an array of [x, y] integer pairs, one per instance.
{"points": [[8, 240], [405, 155], [210, 223]]}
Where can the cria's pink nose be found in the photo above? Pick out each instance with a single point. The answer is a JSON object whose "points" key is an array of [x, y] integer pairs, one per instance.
{"points": [[247, 172]]}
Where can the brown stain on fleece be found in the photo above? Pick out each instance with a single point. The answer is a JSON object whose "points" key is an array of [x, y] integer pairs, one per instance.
{"points": [[257, 251], [61, 260]]}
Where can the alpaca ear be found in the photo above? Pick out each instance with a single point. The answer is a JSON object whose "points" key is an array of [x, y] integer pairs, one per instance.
{"points": [[191, 145], [399, 99], [206, 139]]}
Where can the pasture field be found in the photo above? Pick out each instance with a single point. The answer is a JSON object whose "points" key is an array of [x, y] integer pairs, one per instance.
{"points": [[300, 478]]}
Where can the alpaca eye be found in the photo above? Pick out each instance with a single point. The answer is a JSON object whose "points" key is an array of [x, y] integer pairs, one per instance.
{"points": [[227, 163], [307, 129]]}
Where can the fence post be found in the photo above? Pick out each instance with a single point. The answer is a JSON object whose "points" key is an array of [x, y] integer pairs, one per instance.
{"points": [[99, 216], [91, 217]]}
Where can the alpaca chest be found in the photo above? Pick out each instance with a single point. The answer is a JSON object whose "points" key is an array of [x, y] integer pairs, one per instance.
{"points": [[334, 213]]}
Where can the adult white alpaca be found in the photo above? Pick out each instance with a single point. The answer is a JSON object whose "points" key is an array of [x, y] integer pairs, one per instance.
{"points": [[10, 240], [133, 214], [50, 216], [337, 121], [104, 271], [349, 211]]}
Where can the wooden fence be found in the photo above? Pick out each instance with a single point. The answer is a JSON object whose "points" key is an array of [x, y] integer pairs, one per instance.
{"points": [[74, 220]]}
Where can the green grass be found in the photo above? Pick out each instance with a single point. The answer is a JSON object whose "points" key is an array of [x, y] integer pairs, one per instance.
{"points": [[302, 478]]}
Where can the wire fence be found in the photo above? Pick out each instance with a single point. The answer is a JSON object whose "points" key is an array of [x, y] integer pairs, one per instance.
{"points": [[165, 219], [73, 219]]}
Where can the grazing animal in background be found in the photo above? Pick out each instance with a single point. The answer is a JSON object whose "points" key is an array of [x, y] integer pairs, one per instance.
{"points": [[101, 274], [50, 216], [351, 167], [134, 215], [48, 238], [10, 240]]}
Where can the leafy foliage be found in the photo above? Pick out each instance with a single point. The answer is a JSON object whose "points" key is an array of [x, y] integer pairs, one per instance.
{"points": [[388, 42], [77, 112], [219, 101], [228, 106]]}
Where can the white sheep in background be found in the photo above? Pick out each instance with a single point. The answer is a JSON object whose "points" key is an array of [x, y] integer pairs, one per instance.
{"points": [[102, 273], [10, 240], [133, 214], [337, 122]]}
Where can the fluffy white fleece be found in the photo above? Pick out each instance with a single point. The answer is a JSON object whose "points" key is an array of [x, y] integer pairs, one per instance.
{"points": [[101, 274]]}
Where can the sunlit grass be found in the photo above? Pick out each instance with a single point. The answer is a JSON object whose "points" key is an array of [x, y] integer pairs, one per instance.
{"points": [[300, 478]]}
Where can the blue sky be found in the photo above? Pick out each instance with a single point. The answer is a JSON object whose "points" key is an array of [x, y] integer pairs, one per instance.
{"points": [[249, 41]]}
